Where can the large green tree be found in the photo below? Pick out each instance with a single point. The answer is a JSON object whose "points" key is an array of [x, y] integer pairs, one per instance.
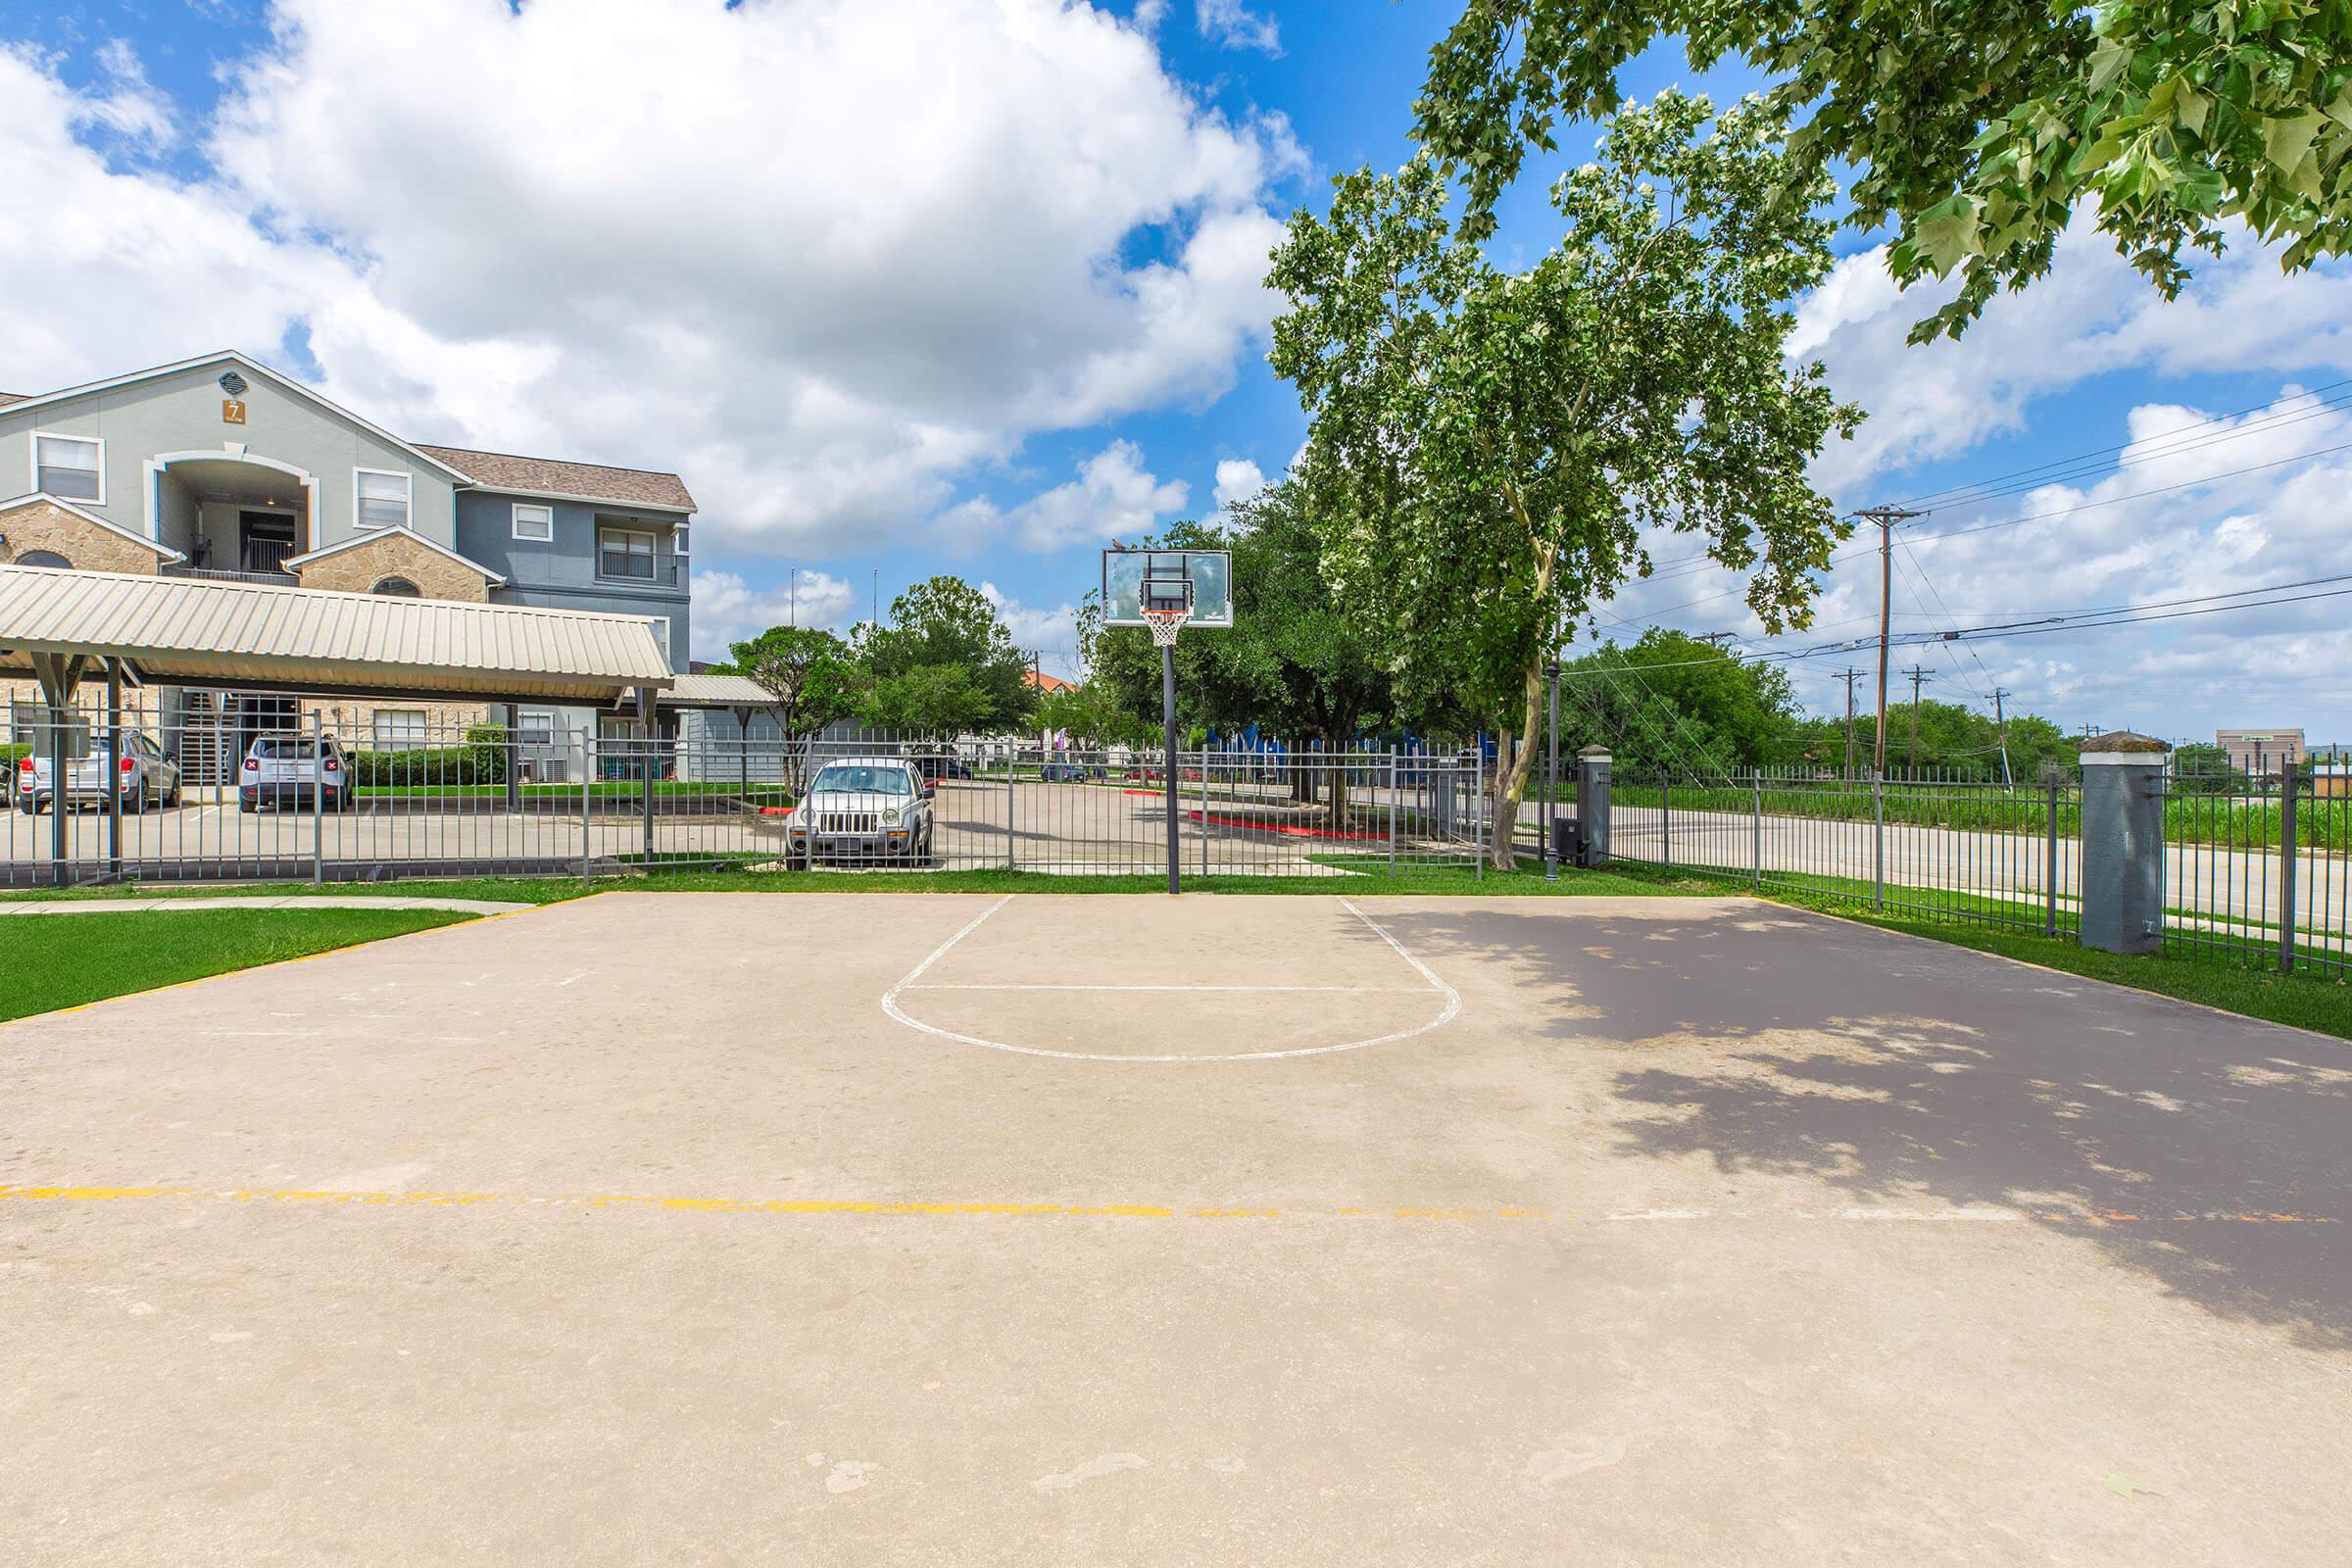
{"points": [[1489, 446], [1973, 129], [939, 625], [814, 679]]}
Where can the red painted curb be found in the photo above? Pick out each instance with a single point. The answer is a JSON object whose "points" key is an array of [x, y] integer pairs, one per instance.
{"points": [[1267, 827]]}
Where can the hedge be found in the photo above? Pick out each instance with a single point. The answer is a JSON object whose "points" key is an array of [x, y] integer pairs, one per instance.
{"points": [[482, 760]]}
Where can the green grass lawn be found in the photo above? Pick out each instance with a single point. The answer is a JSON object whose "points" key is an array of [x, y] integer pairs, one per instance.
{"points": [[53, 961]]}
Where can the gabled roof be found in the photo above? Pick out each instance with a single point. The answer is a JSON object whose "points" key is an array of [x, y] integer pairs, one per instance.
{"points": [[190, 629], [374, 535], [232, 356], [707, 689], [568, 481], [163, 552]]}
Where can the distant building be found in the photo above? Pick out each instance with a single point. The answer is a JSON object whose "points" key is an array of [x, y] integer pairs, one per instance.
{"points": [[2260, 750], [1043, 683]]}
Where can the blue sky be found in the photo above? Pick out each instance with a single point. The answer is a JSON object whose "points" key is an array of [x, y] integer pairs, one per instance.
{"points": [[977, 295]]}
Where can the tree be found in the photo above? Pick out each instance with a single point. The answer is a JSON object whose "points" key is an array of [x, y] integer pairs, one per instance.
{"points": [[1486, 447], [813, 679], [946, 623], [1092, 716], [1973, 128], [930, 700]]}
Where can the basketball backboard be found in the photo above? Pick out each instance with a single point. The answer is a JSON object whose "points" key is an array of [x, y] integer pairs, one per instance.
{"points": [[1210, 573]]}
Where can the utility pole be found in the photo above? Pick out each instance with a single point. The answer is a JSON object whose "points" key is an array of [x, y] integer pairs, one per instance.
{"points": [[877, 599], [1885, 518], [792, 598], [1716, 639], [1849, 675], [2000, 725], [1916, 674]]}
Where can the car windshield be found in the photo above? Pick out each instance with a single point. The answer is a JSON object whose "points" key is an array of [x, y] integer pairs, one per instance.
{"points": [[853, 778]]}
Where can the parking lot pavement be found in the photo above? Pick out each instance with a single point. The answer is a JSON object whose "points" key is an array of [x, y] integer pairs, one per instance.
{"points": [[639, 1228]]}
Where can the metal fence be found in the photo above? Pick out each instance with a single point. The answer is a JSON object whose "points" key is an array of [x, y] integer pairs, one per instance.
{"points": [[257, 793], [1973, 852], [2260, 863]]}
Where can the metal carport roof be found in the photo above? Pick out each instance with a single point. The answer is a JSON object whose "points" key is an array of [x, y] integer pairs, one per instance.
{"points": [[192, 631]]}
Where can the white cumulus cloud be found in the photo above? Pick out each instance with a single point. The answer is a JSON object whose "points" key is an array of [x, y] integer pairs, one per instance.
{"points": [[1113, 497], [1231, 25]]}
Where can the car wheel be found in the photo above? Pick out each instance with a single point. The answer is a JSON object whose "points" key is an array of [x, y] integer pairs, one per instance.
{"points": [[139, 802], [28, 807], [248, 806]]}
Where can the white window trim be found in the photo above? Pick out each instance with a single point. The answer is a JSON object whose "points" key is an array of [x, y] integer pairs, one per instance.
{"points": [[664, 622], [677, 539], [98, 441], [516, 521], [524, 718], [407, 482], [383, 742], [653, 553]]}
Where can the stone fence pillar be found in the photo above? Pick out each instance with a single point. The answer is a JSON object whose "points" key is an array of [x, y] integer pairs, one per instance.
{"points": [[2123, 841]]}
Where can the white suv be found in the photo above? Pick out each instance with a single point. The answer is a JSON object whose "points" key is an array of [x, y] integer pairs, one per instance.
{"points": [[294, 770], [866, 808]]}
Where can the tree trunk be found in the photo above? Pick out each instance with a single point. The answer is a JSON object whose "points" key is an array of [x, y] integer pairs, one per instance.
{"points": [[1512, 768], [1339, 783]]}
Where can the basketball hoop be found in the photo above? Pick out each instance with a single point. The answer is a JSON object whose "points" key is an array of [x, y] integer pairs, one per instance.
{"points": [[1165, 602], [1165, 623]]}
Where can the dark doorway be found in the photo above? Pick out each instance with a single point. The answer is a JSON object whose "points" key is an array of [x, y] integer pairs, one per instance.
{"points": [[264, 540]]}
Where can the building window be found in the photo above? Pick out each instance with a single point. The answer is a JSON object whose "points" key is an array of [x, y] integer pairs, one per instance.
{"points": [[70, 467], [677, 539], [399, 729], [383, 498], [535, 727], [534, 522], [660, 625], [396, 588], [44, 558], [626, 553]]}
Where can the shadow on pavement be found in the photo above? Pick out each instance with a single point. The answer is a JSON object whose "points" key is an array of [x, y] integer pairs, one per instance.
{"points": [[2205, 1151]]}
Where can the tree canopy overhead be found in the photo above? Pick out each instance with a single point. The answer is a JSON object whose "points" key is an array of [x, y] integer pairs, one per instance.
{"points": [[1487, 446], [1973, 128]]}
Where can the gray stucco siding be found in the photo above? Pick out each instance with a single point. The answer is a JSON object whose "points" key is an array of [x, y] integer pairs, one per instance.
{"points": [[559, 572], [145, 420]]}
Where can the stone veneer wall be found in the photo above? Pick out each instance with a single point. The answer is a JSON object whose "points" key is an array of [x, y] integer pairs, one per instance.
{"points": [[46, 526], [359, 569]]}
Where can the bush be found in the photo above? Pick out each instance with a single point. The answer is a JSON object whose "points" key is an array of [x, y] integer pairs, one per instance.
{"points": [[482, 760]]}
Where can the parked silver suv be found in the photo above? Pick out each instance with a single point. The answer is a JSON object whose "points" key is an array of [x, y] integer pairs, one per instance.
{"points": [[866, 808], [293, 769], [146, 775]]}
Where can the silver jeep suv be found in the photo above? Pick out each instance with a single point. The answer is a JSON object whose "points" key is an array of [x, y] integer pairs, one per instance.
{"points": [[863, 808]]}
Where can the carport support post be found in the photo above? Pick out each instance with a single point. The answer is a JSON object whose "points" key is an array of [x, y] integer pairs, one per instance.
{"points": [[2123, 841], [114, 767], [513, 751], [647, 735], [587, 787], [318, 802], [1593, 768], [1167, 714], [59, 674]]}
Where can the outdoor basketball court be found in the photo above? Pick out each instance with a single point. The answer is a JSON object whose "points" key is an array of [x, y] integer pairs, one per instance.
{"points": [[863, 1228]]}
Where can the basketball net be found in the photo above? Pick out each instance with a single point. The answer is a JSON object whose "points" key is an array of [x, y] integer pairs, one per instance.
{"points": [[1166, 623]]}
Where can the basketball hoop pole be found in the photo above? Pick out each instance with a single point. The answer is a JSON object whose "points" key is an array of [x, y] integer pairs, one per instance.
{"points": [[1168, 715]]}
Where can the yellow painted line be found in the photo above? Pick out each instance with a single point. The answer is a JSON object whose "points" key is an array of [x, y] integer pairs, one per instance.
{"points": [[800, 1207], [974, 1208]]}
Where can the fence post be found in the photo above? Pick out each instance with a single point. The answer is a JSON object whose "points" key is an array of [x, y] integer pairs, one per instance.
{"points": [[1478, 804], [318, 803], [1204, 811], [1592, 764], [1756, 879], [587, 788], [2122, 843], [1665, 818], [1877, 840], [1394, 800], [2286, 867], [2050, 889], [1011, 754]]}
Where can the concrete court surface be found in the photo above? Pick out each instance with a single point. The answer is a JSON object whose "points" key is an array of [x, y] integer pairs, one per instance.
{"points": [[636, 1229]]}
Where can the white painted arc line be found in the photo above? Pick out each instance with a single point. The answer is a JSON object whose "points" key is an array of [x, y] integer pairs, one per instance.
{"points": [[1409, 991], [890, 1005]]}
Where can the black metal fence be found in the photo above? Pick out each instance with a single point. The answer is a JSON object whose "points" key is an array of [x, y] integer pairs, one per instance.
{"points": [[2257, 870], [264, 793]]}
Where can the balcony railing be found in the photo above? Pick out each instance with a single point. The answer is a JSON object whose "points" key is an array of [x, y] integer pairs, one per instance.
{"points": [[277, 580]]}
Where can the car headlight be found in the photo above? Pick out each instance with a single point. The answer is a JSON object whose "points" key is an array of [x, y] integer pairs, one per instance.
{"points": [[889, 818]]}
